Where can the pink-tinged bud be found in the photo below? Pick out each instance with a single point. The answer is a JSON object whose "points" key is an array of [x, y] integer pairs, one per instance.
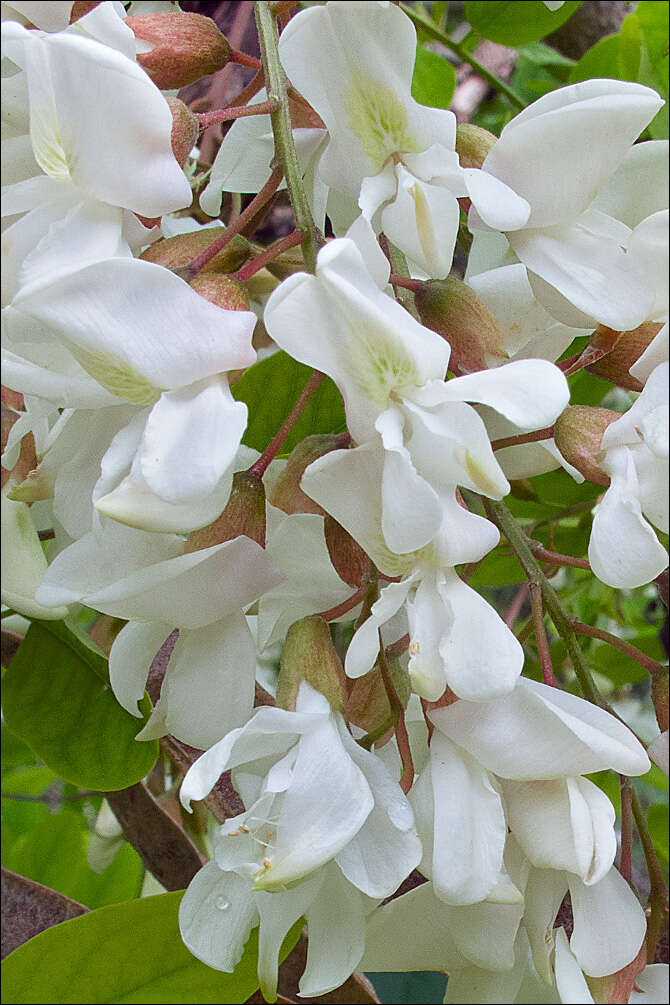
{"points": [[286, 493], [221, 290], [578, 434], [244, 514], [185, 130], [659, 697], [628, 348], [176, 252], [349, 560], [80, 8], [455, 312], [368, 706], [186, 47], [473, 144], [309, 655]]}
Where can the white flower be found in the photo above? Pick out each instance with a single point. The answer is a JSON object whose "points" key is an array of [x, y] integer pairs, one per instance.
{"points": [[390, 370], [150, 580], [353, 62], [624, 551], [289, 830], [557, 154]]}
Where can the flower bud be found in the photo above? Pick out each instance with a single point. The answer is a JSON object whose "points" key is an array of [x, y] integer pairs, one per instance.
{"points": [[185, 47], [220, 290], [368, 705], [455, 312], [349, 560], [185, 130], [286, 493], [176, 252], [309, 655], [244, 514], [473, 144], [578, 434], [615, 366]]}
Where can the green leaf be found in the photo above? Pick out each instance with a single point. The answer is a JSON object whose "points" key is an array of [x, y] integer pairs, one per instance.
{"points": [[56, 700], [271, 387], [513, 23], [54, 853], [601, 60], [434, 79], [127, 953]]}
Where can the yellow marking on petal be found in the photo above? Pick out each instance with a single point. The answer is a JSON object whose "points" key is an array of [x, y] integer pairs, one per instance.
{"points": [[480, 477], [379, 363], [378, 119], [115, 375], [424, 223]]}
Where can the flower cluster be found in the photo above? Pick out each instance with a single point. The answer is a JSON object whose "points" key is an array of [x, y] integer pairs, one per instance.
{"points": [[408, 744]]}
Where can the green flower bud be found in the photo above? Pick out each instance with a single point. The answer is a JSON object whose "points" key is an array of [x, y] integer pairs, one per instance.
{"points": [[309, 655], [176, 252], [455, 312], [349, 560], [473, 144], [244, 514], [578, 434]]}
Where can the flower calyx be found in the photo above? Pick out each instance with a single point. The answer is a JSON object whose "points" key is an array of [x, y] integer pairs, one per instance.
{"points": [[453, 310], [615, 366], [309, 655], [473, 144], [185, 130], [244, 515], [286, 493], [578, 435]]}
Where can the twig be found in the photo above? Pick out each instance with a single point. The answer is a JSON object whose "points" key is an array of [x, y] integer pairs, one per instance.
{"points": [[421, 21], [514, 608], [274, 446], [515, 441], [276, 249], [187, 272], [347, 605], [537, 611], [652, 666], [625, 862], [283, 134], [658, 896], [556, 558], [212, 118], [402, 738]]}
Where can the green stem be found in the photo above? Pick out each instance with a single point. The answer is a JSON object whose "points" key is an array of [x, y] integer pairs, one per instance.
{"points": [[423, 22], [280, 118], [516, 536]]}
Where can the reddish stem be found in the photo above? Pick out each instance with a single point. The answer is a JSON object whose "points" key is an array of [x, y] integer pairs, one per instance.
{"points": [[407, 284], [398, 648], [208, 119], [514, 608], [244, 59], [231, 231], [555, 558], [347, 605], [401, 736], [624, 647], [625, 863], [275, 444], [537, 611], [256, 264], [515, 441]]}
